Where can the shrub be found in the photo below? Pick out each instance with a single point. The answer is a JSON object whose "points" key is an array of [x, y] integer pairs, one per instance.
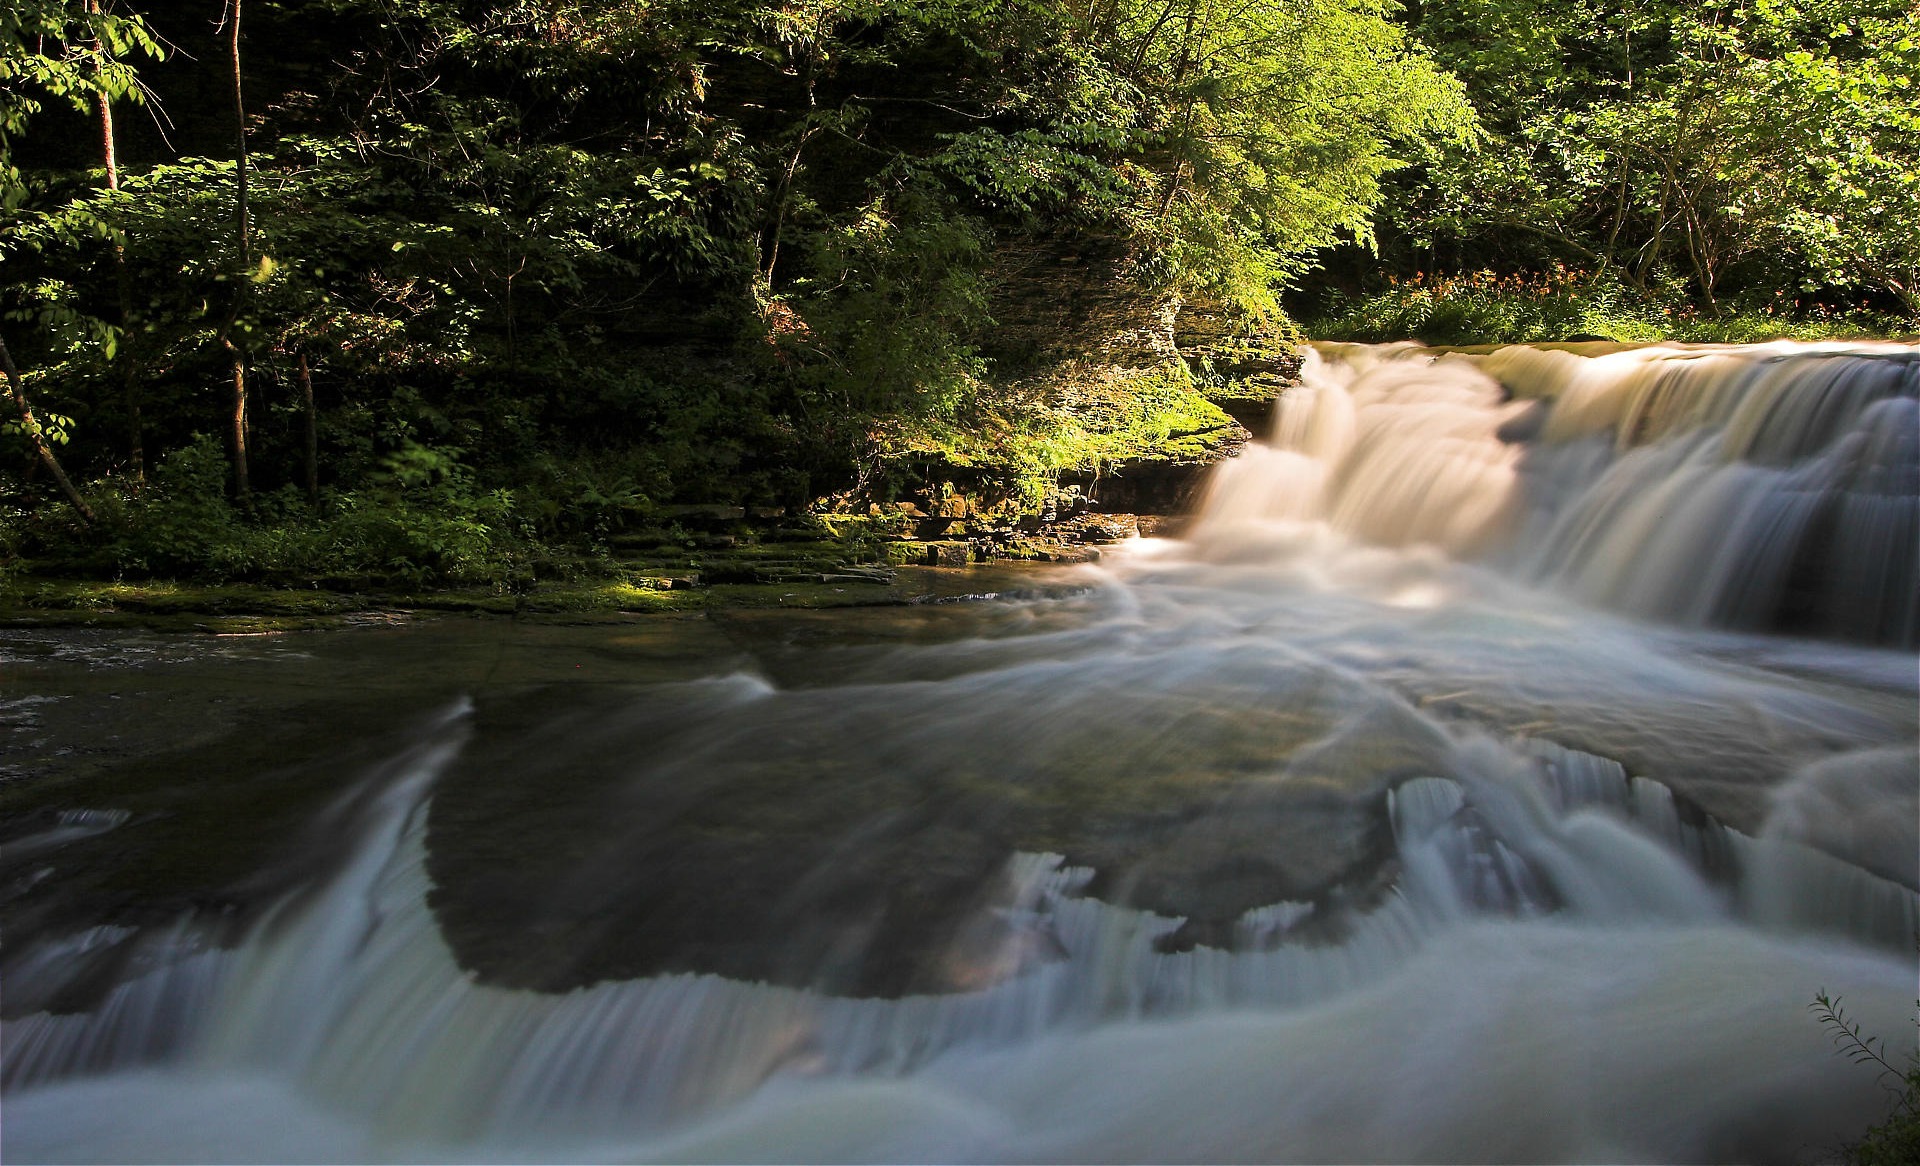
{"points": [[1486, 307], [423, 520]]}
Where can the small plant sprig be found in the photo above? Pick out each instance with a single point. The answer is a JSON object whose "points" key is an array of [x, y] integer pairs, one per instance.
{"points": [[1897, 1139], [1862, 1050]]}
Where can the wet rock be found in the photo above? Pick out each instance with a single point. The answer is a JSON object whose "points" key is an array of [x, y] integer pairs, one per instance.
{"points": [[875, 576], [1155, 487], [847, 837], [1102, 528], [1162, 525]]}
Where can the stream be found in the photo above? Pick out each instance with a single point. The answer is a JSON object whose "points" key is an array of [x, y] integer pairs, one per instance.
{"points": [[1509, 752]]}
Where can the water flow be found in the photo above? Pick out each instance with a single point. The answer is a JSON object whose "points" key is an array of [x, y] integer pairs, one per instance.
{"points": [[1344, 831], [1773, 487]]}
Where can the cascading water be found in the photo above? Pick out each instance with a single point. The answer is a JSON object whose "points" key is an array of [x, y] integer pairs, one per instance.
{"points": [[1774, 487], [1392, 816]]}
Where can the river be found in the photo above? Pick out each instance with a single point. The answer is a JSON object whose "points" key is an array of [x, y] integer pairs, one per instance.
{"points": [[1510, 751]]}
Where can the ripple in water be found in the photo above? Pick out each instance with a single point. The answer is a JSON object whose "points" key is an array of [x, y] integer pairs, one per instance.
{"points": [[1444, 798]]}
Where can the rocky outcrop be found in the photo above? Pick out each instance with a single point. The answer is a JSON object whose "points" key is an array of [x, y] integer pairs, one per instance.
{"points": [[1087, 337], [1067, 305], [1104, 393]]}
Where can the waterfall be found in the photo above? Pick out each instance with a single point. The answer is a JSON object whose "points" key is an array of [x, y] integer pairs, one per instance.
{"points": [[1769, 487], [352, 1003], [1497, 771]]}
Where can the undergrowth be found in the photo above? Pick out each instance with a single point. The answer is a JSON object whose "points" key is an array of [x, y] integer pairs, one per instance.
{"points": [[1561, 304], [1088, 424], [422, 520]]}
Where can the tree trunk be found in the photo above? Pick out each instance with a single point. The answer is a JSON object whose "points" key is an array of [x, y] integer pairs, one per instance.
{"points": [[308, 413], [1180, 72], [241, 224], [1700, 258], [786, 185], [243, 273], [242, 479], [123, 283], [41, 448]]}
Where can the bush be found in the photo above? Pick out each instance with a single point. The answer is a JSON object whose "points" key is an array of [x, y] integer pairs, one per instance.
{"points": [[1559, 304], [423, 521]]}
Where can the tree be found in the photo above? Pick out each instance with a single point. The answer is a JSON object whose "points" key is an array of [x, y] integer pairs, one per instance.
{"points": [[123, 283], [1772, 143], [1230, 138], [37, 436], [72, 54], [1854, 92], [243, 270], [1277, 119]]}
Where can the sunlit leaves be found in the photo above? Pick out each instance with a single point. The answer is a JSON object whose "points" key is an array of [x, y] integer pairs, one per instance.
{"points": [[63, 51], [1765, 143]]}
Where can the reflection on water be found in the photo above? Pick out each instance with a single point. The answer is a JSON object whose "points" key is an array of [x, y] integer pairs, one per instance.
{"points": [[1440, 799]]}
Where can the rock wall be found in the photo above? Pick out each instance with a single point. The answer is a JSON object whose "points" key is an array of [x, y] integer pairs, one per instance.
{"points": [[1077, 332]]}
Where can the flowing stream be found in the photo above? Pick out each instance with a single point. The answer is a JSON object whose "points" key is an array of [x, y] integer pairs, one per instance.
{"points": [[1510, 752]]}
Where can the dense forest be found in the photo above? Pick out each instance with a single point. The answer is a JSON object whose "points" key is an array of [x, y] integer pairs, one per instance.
{"points": [[420, 287]]}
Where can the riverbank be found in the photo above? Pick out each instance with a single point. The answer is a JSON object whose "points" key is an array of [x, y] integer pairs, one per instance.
{"points": [[896, 572]]}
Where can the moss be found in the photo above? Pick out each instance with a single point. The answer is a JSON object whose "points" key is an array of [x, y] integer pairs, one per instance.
{"points": [[900, 553], [1015, 443], [168, 598], [609, 597], [242, 610]]}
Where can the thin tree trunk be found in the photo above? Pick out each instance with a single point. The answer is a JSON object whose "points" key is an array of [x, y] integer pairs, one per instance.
{"points": [[1700, 256], [243, 274], [241, 224], [18, 387], [308, 413], [1146, 42], [1650, 251], [1619, 214], [786, 186], [123, 282], [1180, 71]]}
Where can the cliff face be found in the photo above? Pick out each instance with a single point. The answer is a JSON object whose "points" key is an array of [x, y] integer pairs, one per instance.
{"points": [[1243, 368], [1064, 303], [1139, 390]]}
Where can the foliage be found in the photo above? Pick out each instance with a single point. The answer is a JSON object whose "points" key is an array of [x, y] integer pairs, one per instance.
{"points": [[876, 323], [422, 521], [1896, 1140], [72, 53], [1857, 214], [1486, 307], [1559, 304], [1758, 146], [604, 258], [1280, 118]]}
